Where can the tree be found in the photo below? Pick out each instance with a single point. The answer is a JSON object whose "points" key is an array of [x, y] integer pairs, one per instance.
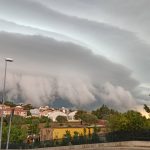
{"points": [[67, 138], [95, 137], [61, 119], [135, 120], [76, 134], [28, 120], [16, 135], [79, 114], [75, 137], [117, 122], [33, 128], [147, 109], [8, 103], [28, 107], [128, 121], [47, 124], [18, 120], [86, 117], [28, 113], [44, 119], [103, 112], [89, 118]]}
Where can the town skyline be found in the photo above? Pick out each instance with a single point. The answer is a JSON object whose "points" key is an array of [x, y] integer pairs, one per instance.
{"points": [[80, 53]]}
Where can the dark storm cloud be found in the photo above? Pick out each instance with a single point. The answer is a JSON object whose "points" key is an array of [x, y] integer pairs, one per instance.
{"points": [[123, 25], [101, 46], [104, 38], [76, 69]]}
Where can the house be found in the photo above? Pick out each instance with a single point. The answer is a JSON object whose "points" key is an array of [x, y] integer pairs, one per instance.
{"points": [[64, 110], [45, 112], [4, 106], [54, 114], [35, 112], [71, 116], [43, 108], [18, 110]]}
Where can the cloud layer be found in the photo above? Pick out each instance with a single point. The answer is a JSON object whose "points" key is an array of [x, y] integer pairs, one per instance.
{"points": [[63, 69]]}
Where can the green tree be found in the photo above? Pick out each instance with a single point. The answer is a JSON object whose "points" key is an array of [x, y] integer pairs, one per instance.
{"points": [[103, 112], [89, 118], [95, 137], [28, 120], [47, 124], [16, 134], [67, 138], [44, 119], [135, 120], [18, 120], [33, 127], [28, 113], [128, 121], [79, 114], [86, 117], [84, 132], [61, 119], [76, 137], [117, 122], [9, 103], [28, 107]]}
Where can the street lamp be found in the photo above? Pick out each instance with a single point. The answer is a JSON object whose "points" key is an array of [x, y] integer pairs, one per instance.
{"points": [[3, 98]]}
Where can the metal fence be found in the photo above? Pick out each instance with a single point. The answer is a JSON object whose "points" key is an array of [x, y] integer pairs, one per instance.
{"points": [[128, 136]]}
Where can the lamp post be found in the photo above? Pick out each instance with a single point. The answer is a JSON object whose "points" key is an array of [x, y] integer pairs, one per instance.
{"points": [[3, 99]]}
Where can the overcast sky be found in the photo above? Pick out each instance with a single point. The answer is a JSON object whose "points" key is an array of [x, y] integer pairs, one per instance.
{"points": [[86, 52]]}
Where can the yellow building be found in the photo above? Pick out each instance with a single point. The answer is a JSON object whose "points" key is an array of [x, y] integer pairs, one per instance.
{"points": [[58, 133]]}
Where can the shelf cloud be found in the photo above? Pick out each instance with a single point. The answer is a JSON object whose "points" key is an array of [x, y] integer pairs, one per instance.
{"points": [[91, 57]]}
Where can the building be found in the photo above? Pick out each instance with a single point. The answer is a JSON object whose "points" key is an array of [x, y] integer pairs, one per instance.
{"points": [[46, 134], [35, 112], [64, 110], [103, 125], [54, 114], [59, 133], [4, 106], [43, 108], [45, 112], [71, 116], [18, 110]]}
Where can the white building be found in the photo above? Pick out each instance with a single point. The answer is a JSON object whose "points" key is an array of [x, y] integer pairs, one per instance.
{"points": [[43, 108], [71, 116], [54, 114], [35, 112]]}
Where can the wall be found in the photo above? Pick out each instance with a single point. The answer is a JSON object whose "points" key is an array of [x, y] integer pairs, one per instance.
{"points": [[46, 134], [58, 133], [129, 145]]}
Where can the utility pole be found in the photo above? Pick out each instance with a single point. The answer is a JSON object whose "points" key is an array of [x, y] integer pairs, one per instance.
{"points": [[8, 134], [3, 99]]}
